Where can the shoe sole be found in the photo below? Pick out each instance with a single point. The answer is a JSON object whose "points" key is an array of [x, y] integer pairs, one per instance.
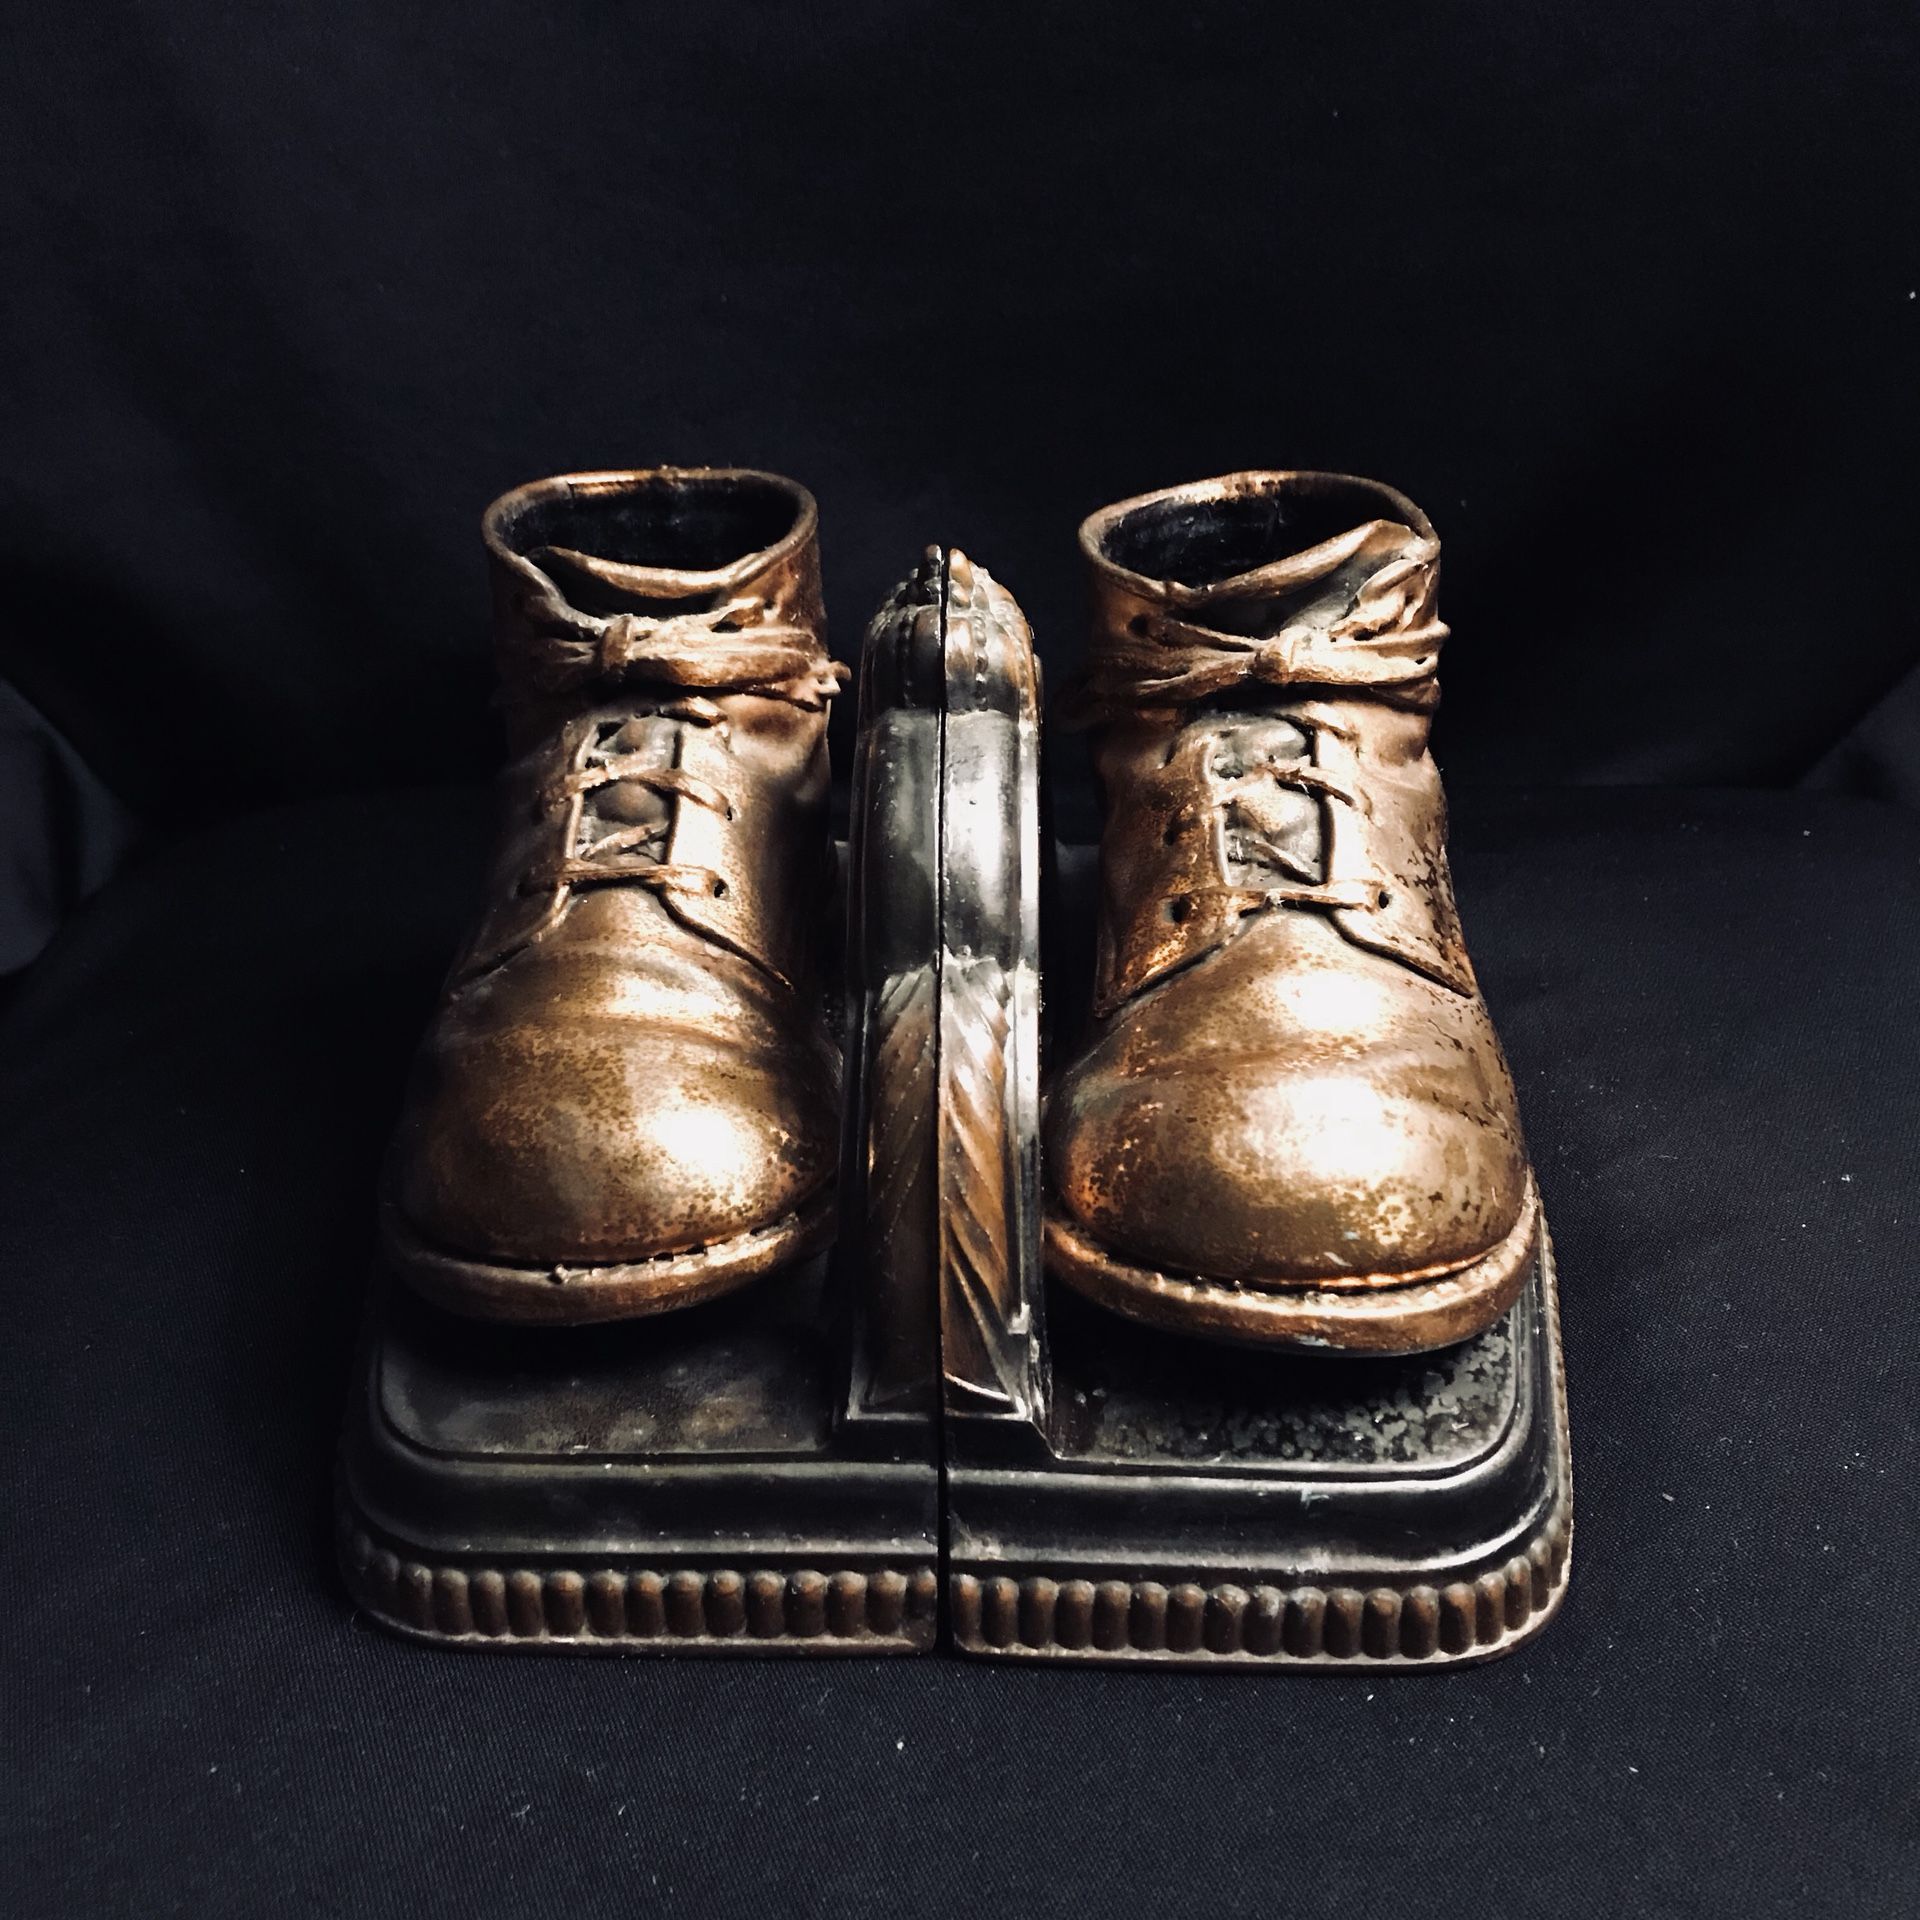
{"points": [[580, 1295], [1374, 1313]]}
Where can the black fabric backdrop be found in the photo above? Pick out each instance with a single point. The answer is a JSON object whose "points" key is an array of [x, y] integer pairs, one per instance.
{"points": [[1707, 1000], [1626, 297]]}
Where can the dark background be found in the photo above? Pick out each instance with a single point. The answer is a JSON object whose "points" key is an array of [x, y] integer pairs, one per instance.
{"points": [[1624, 296]]}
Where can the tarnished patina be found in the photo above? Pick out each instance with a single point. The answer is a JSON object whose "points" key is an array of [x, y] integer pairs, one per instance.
{"points": [[628, 1100], [1291, 1121]]}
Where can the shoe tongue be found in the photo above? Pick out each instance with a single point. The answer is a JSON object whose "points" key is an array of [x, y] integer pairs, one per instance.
{"points": [[650, 740]]}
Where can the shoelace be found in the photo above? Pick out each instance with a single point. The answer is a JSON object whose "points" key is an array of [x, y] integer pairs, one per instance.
{"points": [[1302, 776], [714, 650], [1386, 645]]}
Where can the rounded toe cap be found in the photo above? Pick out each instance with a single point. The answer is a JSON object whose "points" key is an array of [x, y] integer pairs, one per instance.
{"points": [[1268, 1178], [598, 1145]]}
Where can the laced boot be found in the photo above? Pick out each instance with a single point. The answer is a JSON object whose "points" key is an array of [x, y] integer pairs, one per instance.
{"points": [[628, 1099], [1291, 1121]]}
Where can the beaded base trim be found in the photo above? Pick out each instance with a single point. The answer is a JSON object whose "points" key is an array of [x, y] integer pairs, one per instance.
{"points": [[624, 1609], [1303, 1626]]}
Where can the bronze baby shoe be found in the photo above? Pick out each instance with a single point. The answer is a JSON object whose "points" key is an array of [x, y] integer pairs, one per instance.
{"points": [[1291, 1121], [628, 1099]]}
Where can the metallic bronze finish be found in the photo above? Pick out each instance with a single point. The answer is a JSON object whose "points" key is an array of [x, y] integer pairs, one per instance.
{"points": [[628, 1100], [1426, 1311], [947, 829], [945, 990], [1109, 1493], [1291, 1122], [1258, 1512], [687, 1484], [992, 1358], [758, 1475]]}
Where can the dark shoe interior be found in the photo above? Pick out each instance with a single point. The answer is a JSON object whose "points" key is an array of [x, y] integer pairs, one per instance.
{"points": [[692, 522], [1197, 542]]}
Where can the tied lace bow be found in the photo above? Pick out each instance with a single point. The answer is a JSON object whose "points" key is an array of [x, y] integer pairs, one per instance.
{"points": [[697, 653], [1386, 643], [712, 650]]}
